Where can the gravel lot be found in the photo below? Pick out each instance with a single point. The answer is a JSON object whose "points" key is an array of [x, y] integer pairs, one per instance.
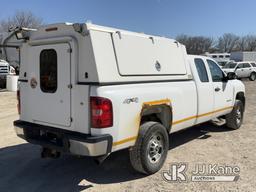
{"points": [[22, 169]]}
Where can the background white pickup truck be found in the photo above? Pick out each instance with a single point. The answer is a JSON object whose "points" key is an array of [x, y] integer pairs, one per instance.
{"points": [[5, 69], [92, 90]]}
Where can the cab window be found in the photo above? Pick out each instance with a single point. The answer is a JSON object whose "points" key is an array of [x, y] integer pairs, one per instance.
{"points": [[48, 70], [201, 70], [216, 72]]}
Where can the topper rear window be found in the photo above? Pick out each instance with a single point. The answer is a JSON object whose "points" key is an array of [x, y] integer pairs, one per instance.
{"points": [[48, 71]]}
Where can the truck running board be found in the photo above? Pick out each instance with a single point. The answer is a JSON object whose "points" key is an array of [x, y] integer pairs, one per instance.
{"points": [[219, 121]]}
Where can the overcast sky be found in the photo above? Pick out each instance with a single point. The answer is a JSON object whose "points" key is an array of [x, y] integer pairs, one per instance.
{"points": [[161, 17]]}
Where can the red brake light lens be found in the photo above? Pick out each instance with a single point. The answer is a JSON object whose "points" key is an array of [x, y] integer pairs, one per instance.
{"points": [[101, 112]]}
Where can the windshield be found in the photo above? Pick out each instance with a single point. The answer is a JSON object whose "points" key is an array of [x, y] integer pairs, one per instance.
{"points": [[229, 66]]}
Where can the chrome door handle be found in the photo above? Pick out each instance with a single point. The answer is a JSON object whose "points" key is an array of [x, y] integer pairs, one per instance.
{"points": [[217, 89]]}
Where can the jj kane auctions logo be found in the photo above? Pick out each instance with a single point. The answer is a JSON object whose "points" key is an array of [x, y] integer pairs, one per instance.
{"points": [[201, 173]]}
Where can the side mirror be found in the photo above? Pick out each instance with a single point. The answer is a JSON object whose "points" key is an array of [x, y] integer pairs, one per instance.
{"points": [[229, 76]]}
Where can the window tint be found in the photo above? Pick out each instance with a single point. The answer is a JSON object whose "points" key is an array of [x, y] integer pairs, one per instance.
{"points": [[214, 56], [253, 64], [247, 65], [48, 70], [240, 66], [216, 72], [227, 56], [221, 56], [201, 70]]}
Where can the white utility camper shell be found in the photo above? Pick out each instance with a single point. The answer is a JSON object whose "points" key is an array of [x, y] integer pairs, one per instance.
{"points": [[112, 55]]}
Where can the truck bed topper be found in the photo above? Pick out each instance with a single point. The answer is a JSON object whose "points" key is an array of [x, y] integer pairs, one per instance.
{"points": [[108, 55]]}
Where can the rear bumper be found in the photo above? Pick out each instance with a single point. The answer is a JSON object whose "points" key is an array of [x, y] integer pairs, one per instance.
{"points": [[64, 141]]}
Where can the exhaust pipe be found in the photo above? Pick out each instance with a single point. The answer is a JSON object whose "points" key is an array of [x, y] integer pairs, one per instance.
{"points": [[49, 153]]}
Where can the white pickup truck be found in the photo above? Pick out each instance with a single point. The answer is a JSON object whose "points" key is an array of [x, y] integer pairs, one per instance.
{"points": [[92, 90], [5, 69]]}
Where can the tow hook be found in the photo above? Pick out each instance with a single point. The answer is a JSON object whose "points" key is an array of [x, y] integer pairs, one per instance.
{"points": [[49, 153]]}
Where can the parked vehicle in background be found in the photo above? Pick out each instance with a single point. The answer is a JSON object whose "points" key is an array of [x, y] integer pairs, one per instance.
{"points": [[5, 69], [243, 56], [245, 69], [221, 58], [9, 49], [92, 90]]}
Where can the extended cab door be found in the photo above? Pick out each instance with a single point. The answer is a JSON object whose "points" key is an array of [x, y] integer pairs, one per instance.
{"points": [[205, 94], [223, 90]]}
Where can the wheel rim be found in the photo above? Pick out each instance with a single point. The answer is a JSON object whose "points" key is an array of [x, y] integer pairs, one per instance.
{"points": [[253, 76], [238, 115], [155, 148]]}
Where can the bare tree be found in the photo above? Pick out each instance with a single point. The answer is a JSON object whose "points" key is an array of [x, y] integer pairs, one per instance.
{"points": [[251, 42], [242, 44], [196, 44], [227, 42], [21, 19]]}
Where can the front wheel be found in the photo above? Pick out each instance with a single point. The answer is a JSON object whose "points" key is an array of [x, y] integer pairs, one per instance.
{"points": [[252, 76], [151, 148], [234, 119]]}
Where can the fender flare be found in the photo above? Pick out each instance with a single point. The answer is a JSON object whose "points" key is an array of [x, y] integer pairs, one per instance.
{"points": [[163, 112]]}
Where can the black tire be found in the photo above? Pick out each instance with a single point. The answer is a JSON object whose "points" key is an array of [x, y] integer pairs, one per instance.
{"points": [[235, 118], [152, 137], [252, 76]]}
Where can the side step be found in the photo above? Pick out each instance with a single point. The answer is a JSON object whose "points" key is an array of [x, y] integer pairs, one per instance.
{"points": [[218, 121]]}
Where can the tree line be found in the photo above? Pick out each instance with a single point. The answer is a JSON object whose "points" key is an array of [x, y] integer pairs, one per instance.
{"points": [[20, 19], [228, 42]]}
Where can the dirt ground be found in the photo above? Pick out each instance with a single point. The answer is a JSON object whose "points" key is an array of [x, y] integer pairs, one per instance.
{"points": [[22, 169]]}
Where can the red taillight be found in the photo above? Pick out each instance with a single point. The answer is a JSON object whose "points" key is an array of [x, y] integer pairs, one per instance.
{"points": [[101, 112], [18, 98]]}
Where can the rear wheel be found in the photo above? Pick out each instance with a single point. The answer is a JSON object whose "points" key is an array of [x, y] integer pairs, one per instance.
{"points": [[234, 119], [151, 148], [252, 76]]}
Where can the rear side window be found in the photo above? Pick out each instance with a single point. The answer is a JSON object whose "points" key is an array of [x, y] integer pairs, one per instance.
{"points": [[48, 70], [253, 64], [216, 72], [201, 70], [246, 65]]}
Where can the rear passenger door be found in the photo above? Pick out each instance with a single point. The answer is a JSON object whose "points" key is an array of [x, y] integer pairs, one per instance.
{"points": [[204, 91], [222, 90], [247, 69], [240, 70]]}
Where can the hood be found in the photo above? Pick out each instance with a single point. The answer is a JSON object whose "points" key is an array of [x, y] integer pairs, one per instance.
{"points": [[3, 63]]}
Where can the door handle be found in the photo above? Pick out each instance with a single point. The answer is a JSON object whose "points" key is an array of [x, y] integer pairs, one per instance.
{"points": [[217, 89]]}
